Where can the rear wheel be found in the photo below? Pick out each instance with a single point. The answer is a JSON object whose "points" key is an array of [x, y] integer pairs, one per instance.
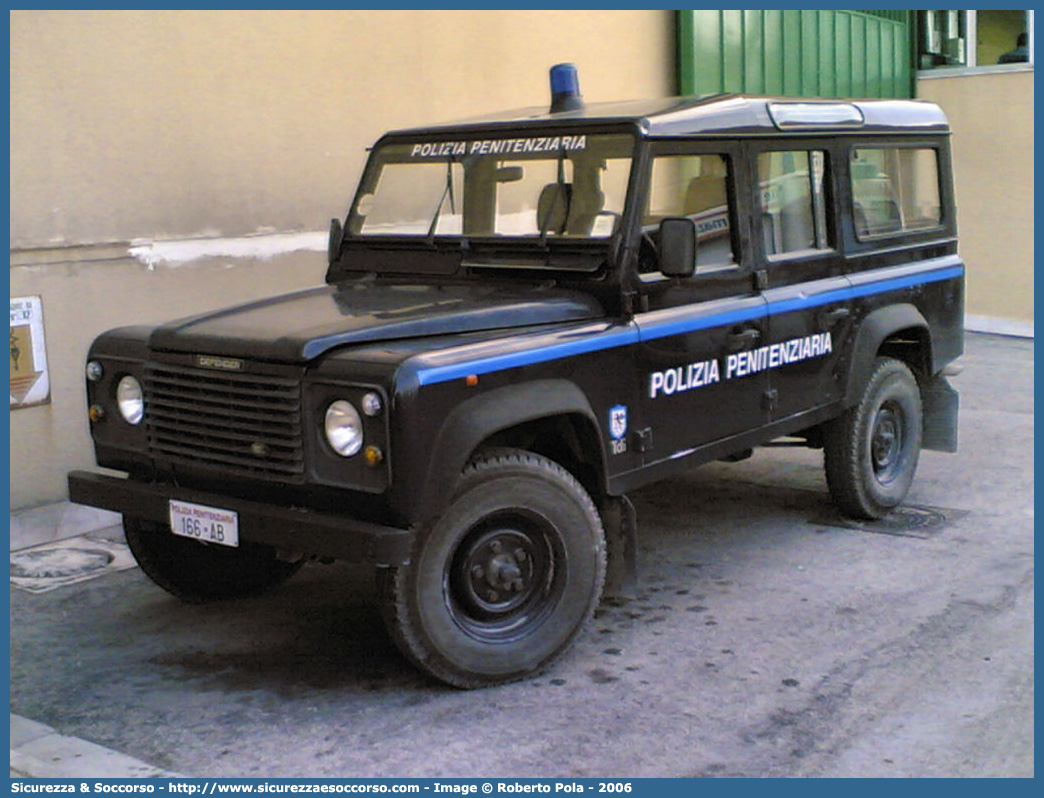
{"points": [[871, 451], [199, 572], [503, 580]]}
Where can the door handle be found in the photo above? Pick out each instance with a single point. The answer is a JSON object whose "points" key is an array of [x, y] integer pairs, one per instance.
{"points": [[743, 339], [832, 317]]}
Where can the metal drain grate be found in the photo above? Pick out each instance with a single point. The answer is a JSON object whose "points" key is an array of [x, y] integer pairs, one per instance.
{"points": [[66, 562], [908, 521]]}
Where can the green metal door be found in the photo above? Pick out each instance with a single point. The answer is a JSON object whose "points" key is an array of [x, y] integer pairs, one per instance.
{"points": [[819, 53]]}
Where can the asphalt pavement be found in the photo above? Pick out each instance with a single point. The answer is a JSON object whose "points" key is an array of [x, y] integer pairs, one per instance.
{"points": [[769, 638]]}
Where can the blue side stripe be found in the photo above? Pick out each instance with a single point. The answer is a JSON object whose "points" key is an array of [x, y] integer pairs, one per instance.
{"points": [[435, 374], [861, 290], [630, 335], [905, 282], [682, 326]]}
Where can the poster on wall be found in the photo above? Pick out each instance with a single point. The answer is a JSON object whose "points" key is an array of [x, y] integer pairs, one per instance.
{"points": [[30, 383]]}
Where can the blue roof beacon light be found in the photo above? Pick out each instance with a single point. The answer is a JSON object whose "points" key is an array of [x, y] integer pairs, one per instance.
{"points": [[565, 89]]}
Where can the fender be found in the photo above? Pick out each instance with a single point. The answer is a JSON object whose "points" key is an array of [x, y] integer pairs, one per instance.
{"points": [[477, 419], [874, 331]]}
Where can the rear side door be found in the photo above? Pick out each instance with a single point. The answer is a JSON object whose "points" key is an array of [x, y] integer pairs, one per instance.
{"points": [[808, 298], [692, 329]]}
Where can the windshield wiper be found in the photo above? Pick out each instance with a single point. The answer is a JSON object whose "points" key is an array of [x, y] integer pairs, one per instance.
{"points": [[447, 191]]}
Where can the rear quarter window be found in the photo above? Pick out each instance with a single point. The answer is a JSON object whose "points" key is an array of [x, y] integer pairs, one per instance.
{"points": [[894, 190]]}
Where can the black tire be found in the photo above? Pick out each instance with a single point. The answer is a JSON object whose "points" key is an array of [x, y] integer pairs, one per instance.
{"points": [[501, 583], [199, 572], [871, 451]]}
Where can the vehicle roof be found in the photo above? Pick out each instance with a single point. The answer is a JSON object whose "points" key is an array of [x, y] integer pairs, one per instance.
{"points": [[715, 114]]}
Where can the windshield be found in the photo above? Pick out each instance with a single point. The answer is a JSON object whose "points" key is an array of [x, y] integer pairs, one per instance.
{"points": [[546, 187]]}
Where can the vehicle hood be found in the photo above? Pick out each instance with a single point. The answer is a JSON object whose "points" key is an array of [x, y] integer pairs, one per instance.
{"points": [[301, 326]]}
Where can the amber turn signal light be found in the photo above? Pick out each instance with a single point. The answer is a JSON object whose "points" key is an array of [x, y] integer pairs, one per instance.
{"points": [[373, 455]]}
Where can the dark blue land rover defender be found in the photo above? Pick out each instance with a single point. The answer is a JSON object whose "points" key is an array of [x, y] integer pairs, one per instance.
{"points": [[524, 318]]}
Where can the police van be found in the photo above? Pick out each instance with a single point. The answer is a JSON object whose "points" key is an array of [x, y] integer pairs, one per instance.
{"points": [[525, 318]]}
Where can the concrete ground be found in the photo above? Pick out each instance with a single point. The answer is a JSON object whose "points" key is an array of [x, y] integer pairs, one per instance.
{"points": [[769, 639]]}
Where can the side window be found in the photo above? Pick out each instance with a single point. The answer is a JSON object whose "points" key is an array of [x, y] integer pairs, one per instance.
{"points": [[695, 186], [894, 190], [793, 205]]}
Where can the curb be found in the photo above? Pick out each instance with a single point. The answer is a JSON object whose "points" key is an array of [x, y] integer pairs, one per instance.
{"points": [[51, 522], [38, 751]]}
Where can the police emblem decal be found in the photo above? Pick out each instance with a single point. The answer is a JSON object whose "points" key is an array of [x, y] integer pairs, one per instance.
{"points": [[618, 429], [618, 422]]}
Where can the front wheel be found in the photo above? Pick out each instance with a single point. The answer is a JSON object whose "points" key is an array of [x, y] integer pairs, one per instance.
{"points": [[504, 579], [200, 572], [871, 451]]}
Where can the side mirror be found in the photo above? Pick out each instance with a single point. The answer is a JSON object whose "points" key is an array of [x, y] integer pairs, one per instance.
{"points": [[333, 248], [678, 247]]}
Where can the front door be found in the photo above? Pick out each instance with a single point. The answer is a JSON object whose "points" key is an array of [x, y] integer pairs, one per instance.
{"points": [[697, 333]]}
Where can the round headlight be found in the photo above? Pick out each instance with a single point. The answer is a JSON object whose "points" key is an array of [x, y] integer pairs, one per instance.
{"points": [[94, 370], [130, 400], [344, 430]]}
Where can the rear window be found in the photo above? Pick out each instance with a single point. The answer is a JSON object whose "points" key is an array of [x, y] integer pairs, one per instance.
{"points": [[894, 190]]}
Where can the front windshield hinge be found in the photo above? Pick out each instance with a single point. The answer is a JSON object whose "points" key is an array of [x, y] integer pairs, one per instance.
{"points": [[627, 303]]}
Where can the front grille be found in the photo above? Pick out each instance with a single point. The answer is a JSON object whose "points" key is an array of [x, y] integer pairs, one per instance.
{"points": [[241, 423]]}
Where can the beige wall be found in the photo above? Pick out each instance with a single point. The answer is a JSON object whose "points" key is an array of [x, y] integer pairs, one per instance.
{"points": [[178, 124], [132, 127], [992, 120]]}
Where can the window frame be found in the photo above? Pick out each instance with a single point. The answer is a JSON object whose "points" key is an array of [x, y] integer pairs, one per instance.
{"points": [[824, 205], [374, 167], [971, 67], [874, 240], [732, 156]]}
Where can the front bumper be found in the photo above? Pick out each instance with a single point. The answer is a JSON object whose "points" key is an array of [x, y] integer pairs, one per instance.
{"points": [[288, 528]]}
